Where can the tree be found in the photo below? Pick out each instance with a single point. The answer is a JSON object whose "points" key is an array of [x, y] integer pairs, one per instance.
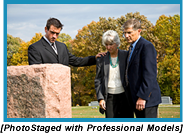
{"points": [[65, 38], [13, 44], [84, 45], [21, 57], [88, 42], [167, 29]]}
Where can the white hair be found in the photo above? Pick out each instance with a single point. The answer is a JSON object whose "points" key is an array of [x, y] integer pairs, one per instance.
{"points": [[111, 36]]}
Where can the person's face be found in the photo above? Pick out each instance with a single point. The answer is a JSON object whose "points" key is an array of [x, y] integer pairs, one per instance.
{"points": [[111, 47], [131, 35], [52, 33]]}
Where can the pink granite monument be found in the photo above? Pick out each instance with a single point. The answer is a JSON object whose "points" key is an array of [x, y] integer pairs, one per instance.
{"points": [[39, 91]]}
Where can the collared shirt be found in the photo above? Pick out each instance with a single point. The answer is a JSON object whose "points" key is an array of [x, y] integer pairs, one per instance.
{"points": [[55, 49], [134, 44], [47, 40]]}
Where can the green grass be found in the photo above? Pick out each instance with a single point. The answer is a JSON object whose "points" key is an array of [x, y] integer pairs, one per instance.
{"points": [[86, 112], [169, 111], [165, 111]]}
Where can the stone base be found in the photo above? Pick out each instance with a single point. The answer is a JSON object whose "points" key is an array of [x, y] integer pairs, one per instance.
{"points": [[39, 91]]}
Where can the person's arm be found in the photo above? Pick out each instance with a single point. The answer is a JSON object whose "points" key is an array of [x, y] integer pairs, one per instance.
{"points": [[99, 82], [79, 61], [149, 72], [33, 56], [82, 61]]}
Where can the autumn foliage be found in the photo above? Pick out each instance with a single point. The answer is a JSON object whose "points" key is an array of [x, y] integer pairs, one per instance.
{"points": [[165, 36], [167, 29], [13, 44]]}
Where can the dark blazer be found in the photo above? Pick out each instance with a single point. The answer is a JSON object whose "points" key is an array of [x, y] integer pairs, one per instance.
{"points": [[41, 52], [142, 74], [102, 75]]}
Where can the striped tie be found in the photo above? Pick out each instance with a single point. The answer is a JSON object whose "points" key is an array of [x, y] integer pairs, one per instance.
{"points": [[54, 47]]}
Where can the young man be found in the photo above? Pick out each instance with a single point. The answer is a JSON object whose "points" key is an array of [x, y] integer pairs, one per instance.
{"points": [[48, 50], [141, 72]]}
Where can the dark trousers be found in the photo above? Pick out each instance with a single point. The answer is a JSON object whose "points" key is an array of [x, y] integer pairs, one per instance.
{"points": [[150, 112], [117, 106]]}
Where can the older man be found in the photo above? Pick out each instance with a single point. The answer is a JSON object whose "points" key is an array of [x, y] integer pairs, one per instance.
{"points": [[141, 72]]}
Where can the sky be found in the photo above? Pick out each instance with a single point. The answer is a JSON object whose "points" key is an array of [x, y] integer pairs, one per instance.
{"points": [[24, 20]]}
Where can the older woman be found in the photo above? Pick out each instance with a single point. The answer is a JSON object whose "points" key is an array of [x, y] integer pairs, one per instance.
{"points": [[110, 88]]}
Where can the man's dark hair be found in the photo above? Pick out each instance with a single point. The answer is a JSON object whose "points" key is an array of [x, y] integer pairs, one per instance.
{"points": [[55, 22]]}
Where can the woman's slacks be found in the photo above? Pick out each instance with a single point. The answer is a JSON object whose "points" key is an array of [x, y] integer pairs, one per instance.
{"points": [[117, 106]]}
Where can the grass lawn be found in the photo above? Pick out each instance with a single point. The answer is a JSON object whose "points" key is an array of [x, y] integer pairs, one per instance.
{"points": [[169, 111], [165, 111], [86, 112]]}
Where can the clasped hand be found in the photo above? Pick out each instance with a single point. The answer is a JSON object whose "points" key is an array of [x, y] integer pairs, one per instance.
{"points": [[140, 104]]}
